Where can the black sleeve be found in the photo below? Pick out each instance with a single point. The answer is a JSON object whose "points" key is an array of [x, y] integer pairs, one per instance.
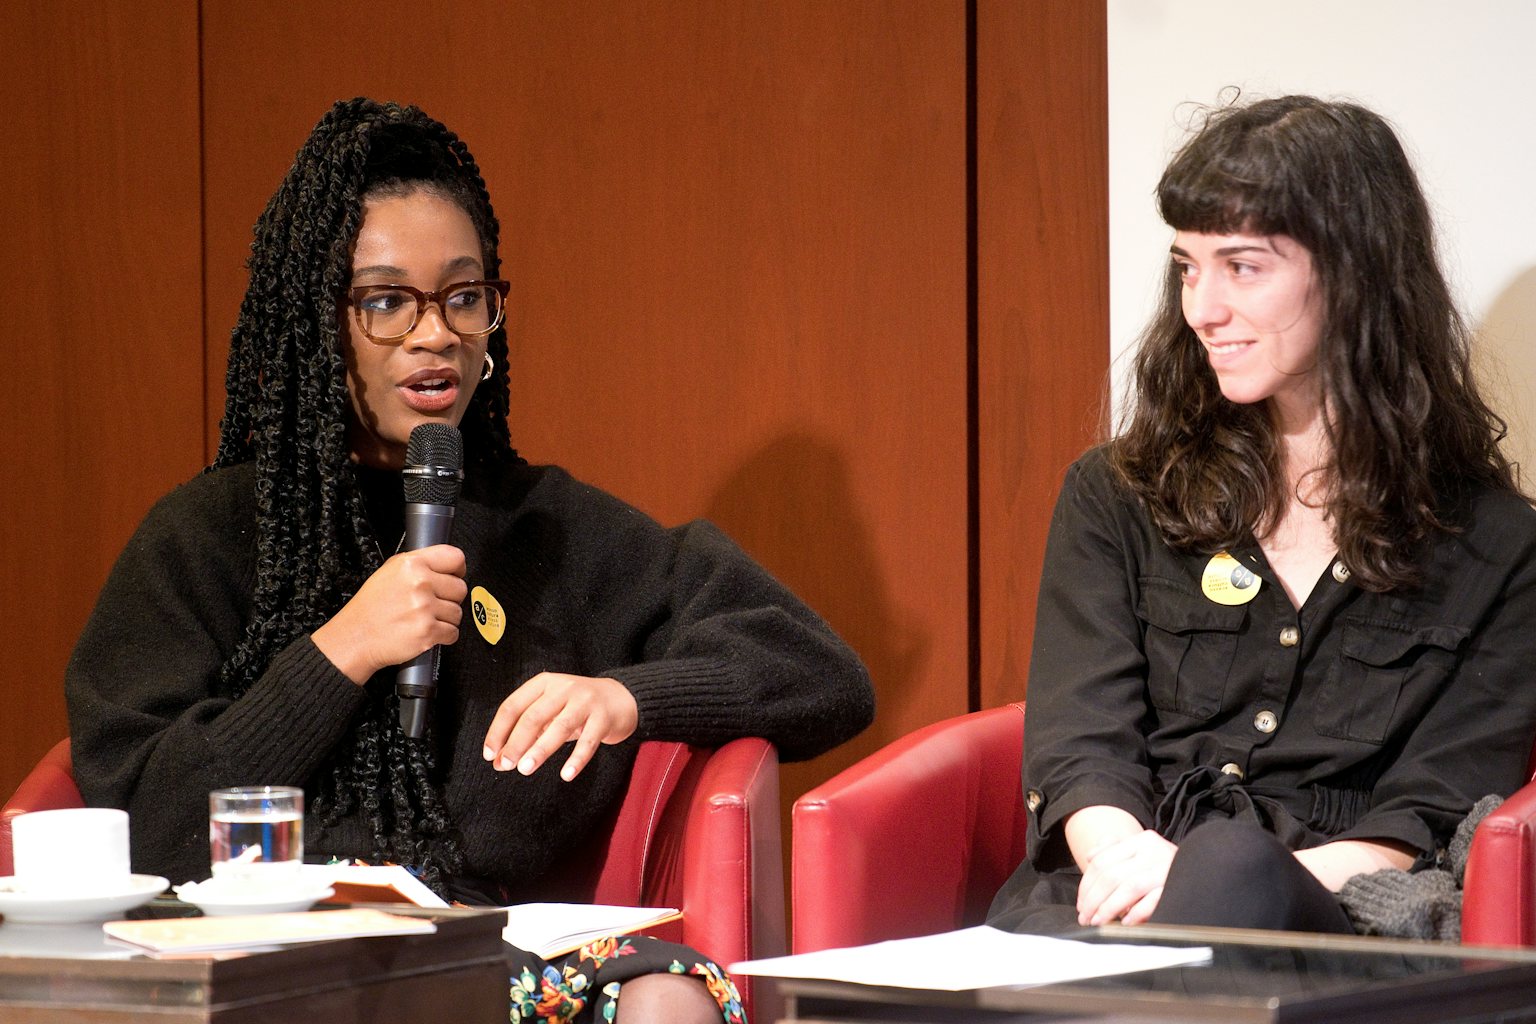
{"points": [[149, 733], [711, 645], [1083, 744]]}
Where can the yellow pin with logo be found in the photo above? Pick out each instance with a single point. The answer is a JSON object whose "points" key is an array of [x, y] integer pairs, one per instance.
{"points": [[490, 620], [1228, 581]]}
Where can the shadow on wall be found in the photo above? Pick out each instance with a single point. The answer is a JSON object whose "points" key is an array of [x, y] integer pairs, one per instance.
{"points": [[1505, 357], [791, 506]]}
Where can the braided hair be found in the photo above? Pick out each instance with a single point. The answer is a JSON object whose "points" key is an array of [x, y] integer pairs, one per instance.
{"points": [[287, 410]]}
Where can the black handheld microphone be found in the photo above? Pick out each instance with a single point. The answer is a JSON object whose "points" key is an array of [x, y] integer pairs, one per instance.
{"points": [[434, 470]]}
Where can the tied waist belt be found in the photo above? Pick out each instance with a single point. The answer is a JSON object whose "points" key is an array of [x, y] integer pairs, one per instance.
{"points": [[1293, 815]]}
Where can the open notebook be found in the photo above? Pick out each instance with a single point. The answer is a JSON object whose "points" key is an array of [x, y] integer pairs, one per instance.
{"points": [[546, 929], [550, 930]]}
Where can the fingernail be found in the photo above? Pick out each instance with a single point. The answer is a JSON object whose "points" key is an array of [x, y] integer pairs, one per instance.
{"points": [[526, 766], [504, 764], [488, 753], [567, 773]]}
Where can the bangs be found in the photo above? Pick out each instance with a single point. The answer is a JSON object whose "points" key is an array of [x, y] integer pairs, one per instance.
{"points": [[1225, 197], [1245, 172]]}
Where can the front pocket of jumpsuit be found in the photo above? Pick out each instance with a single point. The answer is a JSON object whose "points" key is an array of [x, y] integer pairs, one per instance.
{"points": [[1376, 661], [1190, 644]]}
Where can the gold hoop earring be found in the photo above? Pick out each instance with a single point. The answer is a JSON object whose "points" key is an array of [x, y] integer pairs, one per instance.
{"points": [[490, 367]]}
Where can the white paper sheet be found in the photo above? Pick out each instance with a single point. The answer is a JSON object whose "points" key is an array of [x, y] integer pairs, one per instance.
{"points": [[978, 957]]}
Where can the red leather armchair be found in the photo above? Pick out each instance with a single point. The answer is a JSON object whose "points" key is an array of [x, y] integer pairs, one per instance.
{"points": [[698, 829], [1498, 906], [914, 839], [917, 837], [49, 785]]}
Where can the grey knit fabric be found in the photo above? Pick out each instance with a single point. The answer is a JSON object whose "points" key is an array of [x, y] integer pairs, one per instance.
{"points": [[1420, 904], [1461, 842]]}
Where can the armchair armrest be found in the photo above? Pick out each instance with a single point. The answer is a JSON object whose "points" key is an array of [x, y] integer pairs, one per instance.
{"points": [[1499, 892], [50, 785], [698, 829], [733, 863], [914, 839]]}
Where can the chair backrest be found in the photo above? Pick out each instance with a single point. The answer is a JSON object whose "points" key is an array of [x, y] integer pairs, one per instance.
{"points": [[50, 785], [914, 839]]}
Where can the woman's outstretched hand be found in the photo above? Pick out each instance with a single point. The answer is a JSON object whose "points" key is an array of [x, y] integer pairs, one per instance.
{"points": [[554, 708], [413, 602]]}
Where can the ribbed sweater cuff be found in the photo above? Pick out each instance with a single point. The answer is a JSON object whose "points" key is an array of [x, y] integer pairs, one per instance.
{"points": [[290, 718], [688, 697]]}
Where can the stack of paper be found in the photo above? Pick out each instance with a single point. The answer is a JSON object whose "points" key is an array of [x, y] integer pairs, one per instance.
{"points": [[548, 930], [978, 957], [255, 931]]}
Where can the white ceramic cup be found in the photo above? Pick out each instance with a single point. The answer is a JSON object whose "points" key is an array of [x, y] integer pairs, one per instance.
{"points": [[78, 851]]}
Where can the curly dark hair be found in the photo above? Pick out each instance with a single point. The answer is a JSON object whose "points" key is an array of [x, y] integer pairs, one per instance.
{"points": [[287, 409], [1409, 433]]}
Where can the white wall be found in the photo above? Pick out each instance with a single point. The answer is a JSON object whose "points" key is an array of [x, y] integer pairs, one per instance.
{"points": [[1458, 81]]}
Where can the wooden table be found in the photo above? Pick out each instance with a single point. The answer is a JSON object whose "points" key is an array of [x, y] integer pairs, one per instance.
{"points": [[457, 974]]}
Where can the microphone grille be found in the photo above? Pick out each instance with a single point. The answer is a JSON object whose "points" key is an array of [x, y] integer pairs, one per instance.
{"points": [[437, 449]]}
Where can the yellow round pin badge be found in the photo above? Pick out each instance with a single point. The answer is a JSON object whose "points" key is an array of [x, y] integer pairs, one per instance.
{"points": [[1228, 581], [490, 620]]}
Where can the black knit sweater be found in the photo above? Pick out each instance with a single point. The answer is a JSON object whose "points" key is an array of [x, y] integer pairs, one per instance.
{"points": [[712, 647]]}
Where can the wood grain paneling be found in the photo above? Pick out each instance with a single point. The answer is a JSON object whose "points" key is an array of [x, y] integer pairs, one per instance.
{"points": [[736, 238], [738, 235], [101, 291], [1043, 297]]}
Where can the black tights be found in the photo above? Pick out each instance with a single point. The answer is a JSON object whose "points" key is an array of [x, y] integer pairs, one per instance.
{"points": [[1235, 874]]}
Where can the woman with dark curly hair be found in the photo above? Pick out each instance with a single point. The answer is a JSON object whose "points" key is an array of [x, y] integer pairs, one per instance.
{"points": [[1284, 627], [249, 633]]}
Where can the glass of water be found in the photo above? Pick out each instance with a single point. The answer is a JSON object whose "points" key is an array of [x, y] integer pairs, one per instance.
{"points": [[256, 833]]}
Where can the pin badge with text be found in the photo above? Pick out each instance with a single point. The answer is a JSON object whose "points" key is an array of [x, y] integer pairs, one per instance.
{"points": [[1228, 581], [490, 620]]}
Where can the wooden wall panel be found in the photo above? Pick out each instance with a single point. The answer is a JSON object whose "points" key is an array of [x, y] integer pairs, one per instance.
{"points": [[736, 236], [101, 290], [1043, 297]]}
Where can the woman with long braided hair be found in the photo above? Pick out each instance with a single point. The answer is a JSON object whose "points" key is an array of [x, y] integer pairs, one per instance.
{"points": [[249, 633]]}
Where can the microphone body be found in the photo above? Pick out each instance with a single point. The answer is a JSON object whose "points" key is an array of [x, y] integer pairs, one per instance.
{"points": [[434, 470]]}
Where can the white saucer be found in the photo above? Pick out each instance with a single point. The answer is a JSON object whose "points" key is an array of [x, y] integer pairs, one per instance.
{"points": [[217, 900], [75, 940], [22, 907]]}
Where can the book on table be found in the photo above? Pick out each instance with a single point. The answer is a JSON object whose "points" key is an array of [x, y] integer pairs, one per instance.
{"points": [[547, 930], [253, 931]]}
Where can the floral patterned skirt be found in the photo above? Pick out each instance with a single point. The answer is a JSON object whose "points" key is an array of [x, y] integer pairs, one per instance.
{"points": [[584, 986]]}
